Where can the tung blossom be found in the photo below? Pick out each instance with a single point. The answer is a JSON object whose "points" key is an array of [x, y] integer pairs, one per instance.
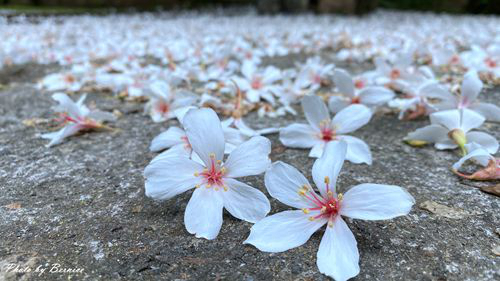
{"points": [[75, 117], [470, 89], [338, 255], [163, 102], [258, 83], [321, 130], [356, 93], [213, 180], [450, 129]]}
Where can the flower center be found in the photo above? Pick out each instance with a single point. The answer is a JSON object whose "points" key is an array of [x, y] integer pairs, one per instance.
{"points": [[162, 107], [395, 73], [454, 59], [316, 78], [213, 175], [355, 100], [328, 206], [257, 83], [359, 84], [490, 63], [85, 122], [327, 132]]}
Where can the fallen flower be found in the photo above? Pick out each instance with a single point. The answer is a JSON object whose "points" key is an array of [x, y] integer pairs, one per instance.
{"points": [[470, 89], [163, 102], [214, 180], [338, 255], [321, 130], [75, 117], [371, 96], [450, 129]]}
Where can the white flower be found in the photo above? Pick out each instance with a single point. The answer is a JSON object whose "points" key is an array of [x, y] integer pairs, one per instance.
{"points": [[356, 93], [313, 74], [163, 102], [416, 102], [239, 124], [338, 255], [450, 129], [175, 139], [321, 130], [471, 87], [76, 117], [258, 83], [216, 187]]}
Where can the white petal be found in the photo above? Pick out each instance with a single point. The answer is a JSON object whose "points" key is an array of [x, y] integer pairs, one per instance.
{"points": [[203, 216], [283, 231], [431, 133], [249, 159], [245, 202], [471, 87], [338, 255], [170, 175], [445, 144], [57, 137], [315, 110], [181, 112], [329, 165], [471, 119], [351, 118], [371, 201], [67, 105], [375, 96], [317, 149], [283, 183], [271, 75], [488, 142], [337, 103], [204, 133], [299, 136], [357, 150], [248, 69], [253, 95], [343, 82], [448, 118], [490, 111], [169, 138], [179, 150], [476, 152]]}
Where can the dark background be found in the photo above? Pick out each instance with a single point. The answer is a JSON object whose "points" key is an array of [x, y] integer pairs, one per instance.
{"points": [[274, 6]]}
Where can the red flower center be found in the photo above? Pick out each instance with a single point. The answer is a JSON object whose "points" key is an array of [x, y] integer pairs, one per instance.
{"points": [[395, 73], [213, 175], [256, 83], [162, 107], [328, 206], [359, 84]]}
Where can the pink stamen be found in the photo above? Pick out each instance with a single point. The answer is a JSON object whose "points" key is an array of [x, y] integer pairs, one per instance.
{"points": [[213, 176]]}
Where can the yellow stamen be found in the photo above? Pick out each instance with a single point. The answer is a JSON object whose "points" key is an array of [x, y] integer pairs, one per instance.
{"points": [[311, 218], [340, 196], [208, 185], [225, 188], [212, 155], [219, 162], [330, 224], [305, 210], [327, 180], [196, 174]]}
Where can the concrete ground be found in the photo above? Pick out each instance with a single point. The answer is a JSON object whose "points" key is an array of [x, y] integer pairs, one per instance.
{"points": [[81, 204]]}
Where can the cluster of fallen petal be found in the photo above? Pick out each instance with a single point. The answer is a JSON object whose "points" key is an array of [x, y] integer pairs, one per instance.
{"points": [[196, 68]]}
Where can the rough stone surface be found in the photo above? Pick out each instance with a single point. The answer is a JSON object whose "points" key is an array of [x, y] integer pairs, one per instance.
{"points": [[82, 205]]}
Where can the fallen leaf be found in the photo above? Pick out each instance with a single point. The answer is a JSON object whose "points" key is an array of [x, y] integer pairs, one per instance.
{"points": [[495, 190], [496, 250], [445, 211], [13, 206]]}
